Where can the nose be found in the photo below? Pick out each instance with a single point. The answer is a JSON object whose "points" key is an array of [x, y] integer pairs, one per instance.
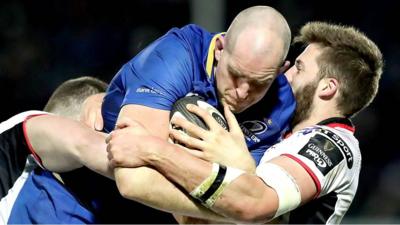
{"points": [[242, 90]]}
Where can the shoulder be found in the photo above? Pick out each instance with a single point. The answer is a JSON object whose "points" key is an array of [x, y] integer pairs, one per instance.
{"points": [[19, 119], [327, 147]]}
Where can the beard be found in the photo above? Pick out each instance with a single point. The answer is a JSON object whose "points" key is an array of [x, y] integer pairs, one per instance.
{"points": [[304, 98]]}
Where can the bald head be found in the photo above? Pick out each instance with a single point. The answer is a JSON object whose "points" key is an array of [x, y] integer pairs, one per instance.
{"points": [[261, 30]]}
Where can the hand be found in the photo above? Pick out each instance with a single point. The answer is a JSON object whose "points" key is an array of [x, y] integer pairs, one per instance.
{"points": [[129, 144], [217, 144], [91, 112]]}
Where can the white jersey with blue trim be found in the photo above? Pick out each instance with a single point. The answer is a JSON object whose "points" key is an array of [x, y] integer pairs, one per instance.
{"points": [[330, 154]]}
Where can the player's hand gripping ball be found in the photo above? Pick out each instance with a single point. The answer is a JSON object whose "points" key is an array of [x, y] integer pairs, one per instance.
{"points": [[179, 110]]}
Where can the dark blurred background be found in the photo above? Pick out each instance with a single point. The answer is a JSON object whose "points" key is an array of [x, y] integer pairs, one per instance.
{"points": [[43, 43]]}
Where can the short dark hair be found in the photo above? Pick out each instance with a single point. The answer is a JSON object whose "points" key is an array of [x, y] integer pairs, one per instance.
{"points": [[68, 98], [350, 57]]}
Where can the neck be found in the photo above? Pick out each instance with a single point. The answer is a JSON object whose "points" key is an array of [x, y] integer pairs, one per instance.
{"points": [[315, 117]]}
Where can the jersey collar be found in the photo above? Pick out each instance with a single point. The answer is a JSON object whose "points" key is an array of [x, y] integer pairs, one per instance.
{"points": [[210, 55], [333, 122], [338, 122]]}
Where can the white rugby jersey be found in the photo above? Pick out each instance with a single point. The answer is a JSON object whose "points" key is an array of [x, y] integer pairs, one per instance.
{"points": [[15, 161], [330, 154]]}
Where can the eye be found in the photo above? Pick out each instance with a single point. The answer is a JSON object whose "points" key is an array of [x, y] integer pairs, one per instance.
{"points": [[298, 70], [298, 67]]}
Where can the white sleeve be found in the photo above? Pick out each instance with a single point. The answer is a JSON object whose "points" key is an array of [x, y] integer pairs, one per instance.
{"points": [[322, 153]]}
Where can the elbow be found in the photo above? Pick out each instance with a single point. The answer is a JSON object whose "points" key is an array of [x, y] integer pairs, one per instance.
{"points": [[124, 186], [130, 188], [124, 190]]}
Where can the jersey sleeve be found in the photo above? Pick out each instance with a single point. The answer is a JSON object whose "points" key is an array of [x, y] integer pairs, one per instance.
{"points": [[29, 146], [159, 75], [14, 149], [321, 156]]}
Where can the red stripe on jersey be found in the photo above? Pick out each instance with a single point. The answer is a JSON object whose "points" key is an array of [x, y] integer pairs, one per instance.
{"points": [[347, 127], [36, 156], [309, 171]]}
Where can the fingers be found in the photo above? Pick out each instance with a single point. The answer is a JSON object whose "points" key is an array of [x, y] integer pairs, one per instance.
{"points": [[186, 140], [208, 119], [131, 126], [122, 152], [190, 128], [233, 125], [126, 122]]}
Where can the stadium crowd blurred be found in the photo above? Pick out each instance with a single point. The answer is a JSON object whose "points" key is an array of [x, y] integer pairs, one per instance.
{"points": [[43, 43]]}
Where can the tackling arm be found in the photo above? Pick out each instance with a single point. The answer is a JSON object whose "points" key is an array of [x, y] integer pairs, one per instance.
{"points": [[241, 196], [146, 185], [247, 198], [64, 144]]}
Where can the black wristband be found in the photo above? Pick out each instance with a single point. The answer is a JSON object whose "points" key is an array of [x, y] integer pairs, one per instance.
{"points": [[215, 185]]}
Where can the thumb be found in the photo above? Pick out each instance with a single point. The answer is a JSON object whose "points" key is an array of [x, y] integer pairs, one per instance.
{"points": [[125, 122]]}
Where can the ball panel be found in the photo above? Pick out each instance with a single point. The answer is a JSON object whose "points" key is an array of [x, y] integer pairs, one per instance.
{"points": [[179, 109]]}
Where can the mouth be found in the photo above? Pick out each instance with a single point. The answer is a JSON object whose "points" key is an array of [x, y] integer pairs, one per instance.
{"points": [[234, 106]]}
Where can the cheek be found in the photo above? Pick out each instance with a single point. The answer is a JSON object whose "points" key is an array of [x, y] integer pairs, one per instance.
{"points": [[295, 86], [224, 81]]}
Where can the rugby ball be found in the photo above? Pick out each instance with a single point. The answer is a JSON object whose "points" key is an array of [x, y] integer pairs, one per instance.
{"points": [[179, 110]]}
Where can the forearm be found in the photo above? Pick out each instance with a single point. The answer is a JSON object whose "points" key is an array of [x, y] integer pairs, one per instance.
{"points": [[92, 153], [244, 199], [149, 187], [64, 144]]}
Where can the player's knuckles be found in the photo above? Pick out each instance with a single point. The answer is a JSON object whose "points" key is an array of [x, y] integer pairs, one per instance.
{"points": [[217, 135], [118, 158], [115, 163], [174, 133]]}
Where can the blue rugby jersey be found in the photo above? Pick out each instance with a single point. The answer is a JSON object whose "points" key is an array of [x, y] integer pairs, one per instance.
{"points": [[179, 62], [182, 61]]}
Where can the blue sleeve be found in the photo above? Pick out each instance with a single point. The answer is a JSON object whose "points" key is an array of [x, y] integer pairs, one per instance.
{"points": [[159, 75]]}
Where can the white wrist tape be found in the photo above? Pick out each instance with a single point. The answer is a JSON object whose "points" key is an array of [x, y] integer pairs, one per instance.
{"points": [[283, 183], [213, 186], [206, 184], [231, 174]]}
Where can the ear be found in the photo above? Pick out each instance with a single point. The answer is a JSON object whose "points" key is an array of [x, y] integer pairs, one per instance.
{"points": [[219, 47], [328, 89]]}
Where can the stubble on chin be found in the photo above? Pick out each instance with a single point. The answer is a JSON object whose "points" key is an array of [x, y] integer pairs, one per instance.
{"points": [[304, 99]]}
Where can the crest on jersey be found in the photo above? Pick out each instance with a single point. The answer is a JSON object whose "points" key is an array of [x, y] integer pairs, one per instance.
{"points": [[255, 126]]}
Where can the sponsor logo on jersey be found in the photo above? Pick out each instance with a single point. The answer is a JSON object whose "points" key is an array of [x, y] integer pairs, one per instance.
{"points": [[307, 130], [323, 152], [147, 90], [255, 126], [344, 148], [252, 128]]}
